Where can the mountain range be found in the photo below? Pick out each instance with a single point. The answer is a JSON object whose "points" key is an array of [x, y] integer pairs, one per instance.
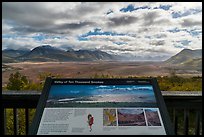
{"points": [[48, 53], [187, 58], [9, 55]]}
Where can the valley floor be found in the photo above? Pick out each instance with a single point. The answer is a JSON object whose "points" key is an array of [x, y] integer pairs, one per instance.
{"points": [[90, 69]]}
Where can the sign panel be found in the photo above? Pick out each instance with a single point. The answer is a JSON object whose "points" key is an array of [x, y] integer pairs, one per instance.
{"points": [[101, 107]]}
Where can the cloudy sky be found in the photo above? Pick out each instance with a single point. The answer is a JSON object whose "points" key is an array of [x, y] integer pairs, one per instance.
{"points": [[151, 30]]}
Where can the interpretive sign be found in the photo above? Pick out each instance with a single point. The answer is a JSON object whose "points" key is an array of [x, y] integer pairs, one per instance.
{"points": [[101, 107]]}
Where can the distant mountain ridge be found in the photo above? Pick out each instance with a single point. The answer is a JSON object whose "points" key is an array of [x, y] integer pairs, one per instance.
{"points": [[187, 59], [14, 53], [48, 53], [184, 56], [9, 55]]}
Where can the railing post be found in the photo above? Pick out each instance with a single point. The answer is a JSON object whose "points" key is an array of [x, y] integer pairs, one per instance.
{"points": [[175, 120], [197, 128], [15, 119], [27, 120], [3, 119], [186, 121]]}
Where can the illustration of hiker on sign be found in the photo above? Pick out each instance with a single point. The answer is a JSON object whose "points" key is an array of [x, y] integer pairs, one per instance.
{"points": [[90, 121]]}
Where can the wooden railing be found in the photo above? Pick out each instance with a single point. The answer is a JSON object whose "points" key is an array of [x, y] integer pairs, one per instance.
{"points": [[185, 110]]}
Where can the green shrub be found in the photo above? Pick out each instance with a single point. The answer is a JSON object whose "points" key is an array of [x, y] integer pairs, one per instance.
{"points": [[17, 81]]}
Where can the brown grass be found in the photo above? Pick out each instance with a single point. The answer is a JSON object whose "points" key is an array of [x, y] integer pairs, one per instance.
{"points": [[87, 69]]}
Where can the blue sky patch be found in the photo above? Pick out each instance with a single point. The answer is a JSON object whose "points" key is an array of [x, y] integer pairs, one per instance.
{"points": [[97, 31], [80, 38], [164, 7], [131, 8], [184, 42], [178, 46], [186, 13], [174, 30], [41, 37], [194, 32]]}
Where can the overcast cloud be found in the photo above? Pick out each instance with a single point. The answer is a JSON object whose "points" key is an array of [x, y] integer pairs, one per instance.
{"points": [[154, 30]]}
